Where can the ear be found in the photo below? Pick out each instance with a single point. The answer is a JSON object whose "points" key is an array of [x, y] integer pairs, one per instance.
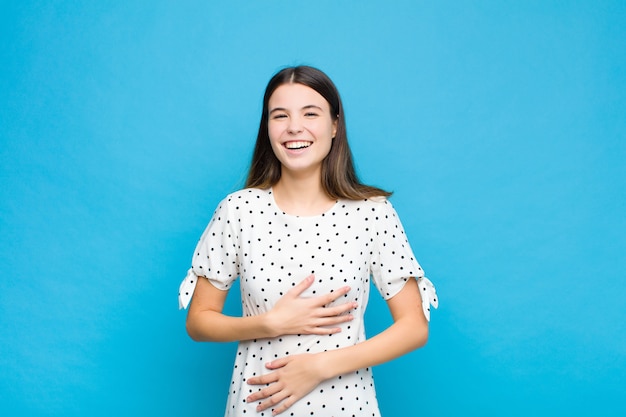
{"points": [[335, 127]]}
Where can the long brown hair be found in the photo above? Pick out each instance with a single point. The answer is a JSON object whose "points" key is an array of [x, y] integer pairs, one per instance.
{"points": [[339, 178]]}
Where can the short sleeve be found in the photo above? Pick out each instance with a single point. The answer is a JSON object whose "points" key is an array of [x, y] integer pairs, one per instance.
{"points": [[393, 262], [215, 256]]}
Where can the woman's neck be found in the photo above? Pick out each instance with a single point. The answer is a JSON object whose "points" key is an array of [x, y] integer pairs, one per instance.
{"points": [[301, 196]]}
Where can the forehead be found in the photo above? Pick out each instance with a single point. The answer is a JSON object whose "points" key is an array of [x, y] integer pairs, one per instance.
{"points": [[296, 96]]}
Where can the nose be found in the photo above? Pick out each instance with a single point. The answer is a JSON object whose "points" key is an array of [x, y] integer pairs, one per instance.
{"points": [[295, 126]]}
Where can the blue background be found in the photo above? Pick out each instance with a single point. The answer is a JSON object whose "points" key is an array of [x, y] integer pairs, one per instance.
{"points": [[500, 126]]}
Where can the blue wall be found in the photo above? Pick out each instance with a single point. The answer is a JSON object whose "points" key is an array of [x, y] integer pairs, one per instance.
{"points": [[499, 125]]}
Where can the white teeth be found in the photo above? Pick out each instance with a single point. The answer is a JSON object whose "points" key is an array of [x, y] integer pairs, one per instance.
{"points": [[297, 144]]}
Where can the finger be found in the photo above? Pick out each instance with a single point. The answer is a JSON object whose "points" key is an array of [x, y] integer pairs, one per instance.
{"points": [[324, 331], [264, 393], [263, 379], [327, 326], [273, 400], [326, 299], [337, 310], [332, 321], [278, 363], [282, 407], [302, 286]]}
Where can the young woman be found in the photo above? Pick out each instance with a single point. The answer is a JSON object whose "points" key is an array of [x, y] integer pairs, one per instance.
{"points": [[304, 237]]}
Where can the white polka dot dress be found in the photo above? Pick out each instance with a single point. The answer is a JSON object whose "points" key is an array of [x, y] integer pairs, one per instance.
{"points": [[251, 238]]}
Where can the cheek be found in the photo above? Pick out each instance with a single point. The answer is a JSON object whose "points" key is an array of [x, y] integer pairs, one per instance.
{"points": [[275, 146], [326, 145], [271, 132], [274, 134]]}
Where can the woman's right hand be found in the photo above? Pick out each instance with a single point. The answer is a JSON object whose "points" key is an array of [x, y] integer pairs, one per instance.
{"points": [[294, 314]]}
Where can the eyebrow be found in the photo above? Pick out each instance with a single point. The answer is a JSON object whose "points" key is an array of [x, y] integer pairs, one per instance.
{"points": [[307, 107]]}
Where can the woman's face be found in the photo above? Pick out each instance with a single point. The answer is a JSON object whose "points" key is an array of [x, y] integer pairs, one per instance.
{"points": [[300, 128]]}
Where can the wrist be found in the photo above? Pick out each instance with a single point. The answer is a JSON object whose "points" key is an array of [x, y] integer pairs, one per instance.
{"points": [[269, 325], [324, 365]]}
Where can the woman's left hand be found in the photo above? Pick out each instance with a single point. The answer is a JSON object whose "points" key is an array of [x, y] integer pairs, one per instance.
{"points": [[292, 378]]}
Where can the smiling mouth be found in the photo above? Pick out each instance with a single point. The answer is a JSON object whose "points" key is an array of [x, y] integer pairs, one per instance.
{"points": [[298, 144]]}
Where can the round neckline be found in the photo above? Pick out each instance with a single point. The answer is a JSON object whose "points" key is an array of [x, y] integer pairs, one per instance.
{"points": [[332, 208]]}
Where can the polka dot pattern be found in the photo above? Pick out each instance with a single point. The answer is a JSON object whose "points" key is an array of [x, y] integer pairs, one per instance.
{"points": [[270, 251]]}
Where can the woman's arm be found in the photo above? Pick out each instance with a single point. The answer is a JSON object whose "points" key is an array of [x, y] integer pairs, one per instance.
{"points": [[295, 376], [408, 332], [292, 314]]}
